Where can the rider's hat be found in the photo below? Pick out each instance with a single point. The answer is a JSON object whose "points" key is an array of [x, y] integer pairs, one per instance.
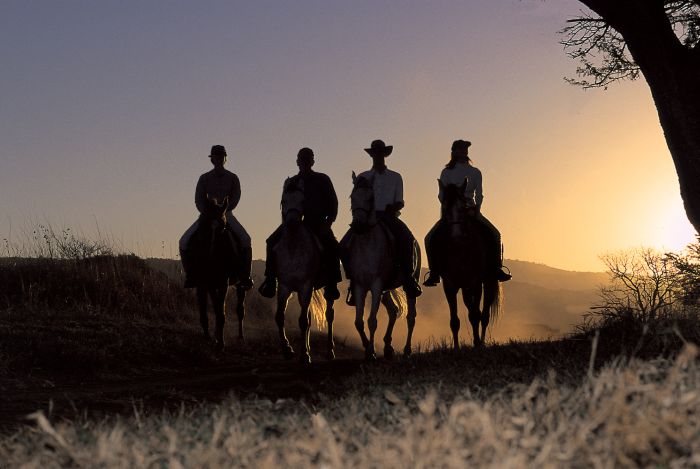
{"points": [[460, 146], [217, 150], [378, 147]]}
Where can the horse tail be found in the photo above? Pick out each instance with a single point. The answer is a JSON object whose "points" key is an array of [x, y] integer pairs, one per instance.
{"points": [[497, 305], [317, 308], [396, 300]]}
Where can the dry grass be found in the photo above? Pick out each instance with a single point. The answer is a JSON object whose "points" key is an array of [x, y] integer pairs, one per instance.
{"points": [[640, 414]]}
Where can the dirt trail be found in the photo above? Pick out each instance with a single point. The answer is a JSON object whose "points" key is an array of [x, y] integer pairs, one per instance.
{"points": [[271, 379]]}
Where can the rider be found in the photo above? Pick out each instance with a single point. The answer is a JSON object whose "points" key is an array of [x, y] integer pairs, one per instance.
{"points": [[456, 171], [388, 201], [218, 184], [320, 211]]}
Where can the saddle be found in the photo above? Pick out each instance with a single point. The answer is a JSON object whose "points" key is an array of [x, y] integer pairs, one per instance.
{"points": [[396, 280]]}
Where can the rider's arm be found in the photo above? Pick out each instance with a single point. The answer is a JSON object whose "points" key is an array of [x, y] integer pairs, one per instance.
{"points": [[478, 189], [200, 195], [398, 195], [332, 201], [234, 195]]}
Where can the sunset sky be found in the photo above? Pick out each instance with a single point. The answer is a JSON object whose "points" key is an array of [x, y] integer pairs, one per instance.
{"points": [[108, 110]]}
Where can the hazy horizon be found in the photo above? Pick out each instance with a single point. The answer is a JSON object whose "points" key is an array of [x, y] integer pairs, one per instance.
{"points": [[109, 109]]}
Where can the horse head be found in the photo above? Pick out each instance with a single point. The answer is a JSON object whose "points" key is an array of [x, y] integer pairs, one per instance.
{"points": [[362, 203], [214, 213], [292, 201], [455, 211]]}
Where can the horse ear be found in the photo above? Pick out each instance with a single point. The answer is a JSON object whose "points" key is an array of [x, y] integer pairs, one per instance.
{"points": [[441, 186], [224, 203], [354, 177], [463, 187]]}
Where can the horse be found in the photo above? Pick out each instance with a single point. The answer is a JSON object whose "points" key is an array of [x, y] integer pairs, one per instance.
{"points": [[215, 257], [464, 266], [369, 258], [298, 258]]}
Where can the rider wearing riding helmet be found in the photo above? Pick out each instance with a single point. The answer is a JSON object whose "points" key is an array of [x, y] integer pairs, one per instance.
{"points": [[458, 171]]}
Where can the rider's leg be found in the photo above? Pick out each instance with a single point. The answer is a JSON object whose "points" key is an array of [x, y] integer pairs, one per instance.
{"points": [[404, 241], [344, 248], [495, 256], [246, 252], [330, 262], [268, 288], [186, 255], [432, 243]]}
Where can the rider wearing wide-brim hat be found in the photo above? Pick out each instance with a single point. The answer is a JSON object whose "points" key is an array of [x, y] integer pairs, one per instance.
{"points": [[458, 170], [388, 201], [219, 183], [320, 211]]}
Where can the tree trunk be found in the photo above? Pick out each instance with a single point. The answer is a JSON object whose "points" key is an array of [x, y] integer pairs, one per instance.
{"points": [[672, 72]]}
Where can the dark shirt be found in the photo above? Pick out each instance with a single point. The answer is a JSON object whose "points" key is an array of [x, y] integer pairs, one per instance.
{"points": [[320, 201]]}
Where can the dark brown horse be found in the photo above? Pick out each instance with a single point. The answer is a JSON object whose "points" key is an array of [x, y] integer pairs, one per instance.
{"points": [[215, 259], [464, 266], [298, 258]]}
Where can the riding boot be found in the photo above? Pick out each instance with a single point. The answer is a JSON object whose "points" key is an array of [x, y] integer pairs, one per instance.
{"points": [[268, 288], [410, 285], [188, 267], [432, 242], [245, 282], [350, 298], [501, 276]]}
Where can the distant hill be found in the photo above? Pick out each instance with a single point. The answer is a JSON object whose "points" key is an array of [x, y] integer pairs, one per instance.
{"points": [[540, 302]]}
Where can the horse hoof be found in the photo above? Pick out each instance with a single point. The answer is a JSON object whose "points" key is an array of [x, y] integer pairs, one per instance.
{"points": [[370, 356], [219, 346], [407, 352], [389, 352], [305, 359], [330, 355]]}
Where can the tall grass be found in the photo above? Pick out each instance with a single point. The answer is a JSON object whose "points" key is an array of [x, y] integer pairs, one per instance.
{"points": [[643, 414]]}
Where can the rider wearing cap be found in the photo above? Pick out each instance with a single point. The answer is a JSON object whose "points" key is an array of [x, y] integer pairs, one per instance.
{"points": [[388, 201], [320, 211], [218, 184], [457, 171]]}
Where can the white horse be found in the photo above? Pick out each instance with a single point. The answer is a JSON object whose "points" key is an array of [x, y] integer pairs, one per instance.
{"points": [[370, 261], [298, 258]]}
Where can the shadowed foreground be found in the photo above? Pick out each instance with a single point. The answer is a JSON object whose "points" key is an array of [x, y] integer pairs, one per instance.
{"points": [[114, 372]]}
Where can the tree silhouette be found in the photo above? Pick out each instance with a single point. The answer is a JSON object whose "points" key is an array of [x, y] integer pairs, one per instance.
{"points": [[658, 38]]}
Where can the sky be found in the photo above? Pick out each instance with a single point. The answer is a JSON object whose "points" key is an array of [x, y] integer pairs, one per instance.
{"points": [[108, 110]]}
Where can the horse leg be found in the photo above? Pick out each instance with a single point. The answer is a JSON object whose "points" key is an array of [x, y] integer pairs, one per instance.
{"points": [[240, 310], [411, 323], [372, 322], [203, 316], [451, 297], [472, 300], [282, 298], [360, 297], [305, 325], [330, 316], [218, 300], [392, 310]]}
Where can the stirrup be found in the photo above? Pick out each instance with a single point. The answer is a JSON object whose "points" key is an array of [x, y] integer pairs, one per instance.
{"points": [[502, 276], [430, 279]]}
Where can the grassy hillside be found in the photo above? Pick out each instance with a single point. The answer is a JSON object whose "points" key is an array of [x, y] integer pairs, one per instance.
{"points": [[107, 350]]}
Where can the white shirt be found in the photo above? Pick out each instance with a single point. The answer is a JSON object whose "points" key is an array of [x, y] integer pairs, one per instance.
{"points": [[461, 171], [387, 185]]}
